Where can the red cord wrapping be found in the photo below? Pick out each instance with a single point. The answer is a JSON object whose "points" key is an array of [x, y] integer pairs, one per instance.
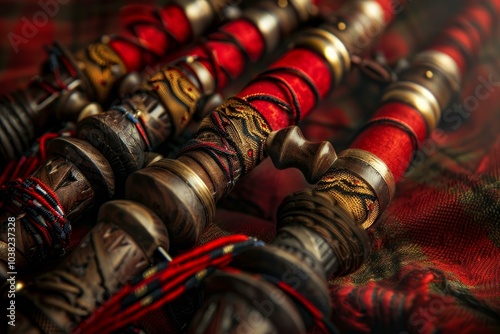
{"points": [[226, 52], [459, 42], [43, 215], [29, 163], [307, 62], [170, 278], [170, 282], [149, 34]]}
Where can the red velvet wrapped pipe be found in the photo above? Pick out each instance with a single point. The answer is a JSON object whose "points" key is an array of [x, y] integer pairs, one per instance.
{"points": [[149, 34], [350, 104], [363, 178], [413, 28], [462, 42], [71, 86], [154, 114], [189, 87], [312, 68], [230, 141], [225, 61]]}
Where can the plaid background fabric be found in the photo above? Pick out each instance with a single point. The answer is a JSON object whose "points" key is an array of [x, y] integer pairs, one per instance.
{"points": [[435, 265], [73, 23]]}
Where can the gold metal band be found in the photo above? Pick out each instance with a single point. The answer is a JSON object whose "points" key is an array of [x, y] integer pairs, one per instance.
{"points": [[428, 85], [373, 170], [193, 181], [328, 46], [357, 23], [304, 8], [416, 96], [102, 66], [200, 14], [177, 94], [277, 19], [443, 63], [139, 222], [203, 76]]}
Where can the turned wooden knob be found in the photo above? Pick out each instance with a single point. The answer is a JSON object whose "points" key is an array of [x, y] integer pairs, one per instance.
{"points": [[288, 148]]}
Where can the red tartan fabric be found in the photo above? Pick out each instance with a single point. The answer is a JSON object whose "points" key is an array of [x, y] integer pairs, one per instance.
{"points": [[435, 263], [26, 26], [435, 260]]}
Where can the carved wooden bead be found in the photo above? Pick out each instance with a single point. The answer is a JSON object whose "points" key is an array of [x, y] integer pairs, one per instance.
{"points": [[123, 244]]}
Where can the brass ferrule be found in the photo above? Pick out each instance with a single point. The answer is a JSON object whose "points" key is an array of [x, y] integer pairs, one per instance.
{"points": [[350, 32], [177, 195], [200, 13], [276, 19], [371, 169], [330, 47], [357, 24], [428, 85], [193, 181]]}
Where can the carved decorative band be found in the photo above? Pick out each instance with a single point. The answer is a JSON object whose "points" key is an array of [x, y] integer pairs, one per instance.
{"points": [[103, 68], [377, 174]]}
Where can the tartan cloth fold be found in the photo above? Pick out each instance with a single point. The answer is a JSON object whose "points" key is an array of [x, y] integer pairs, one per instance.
{"points": [[26, 26], [435, 255], [435, 263]]}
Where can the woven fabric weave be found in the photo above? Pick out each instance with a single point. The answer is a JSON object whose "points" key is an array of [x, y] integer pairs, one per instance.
{"points": [[26, 26], [435, 264]]}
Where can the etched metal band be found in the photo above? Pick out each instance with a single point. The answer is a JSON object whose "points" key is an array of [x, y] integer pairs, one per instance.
{"points": [[200, 14], [310, 241], [193, 181], [328, 46], [370, 168], [177, 94], [123, 244], [103, 68], [137, 221]]}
